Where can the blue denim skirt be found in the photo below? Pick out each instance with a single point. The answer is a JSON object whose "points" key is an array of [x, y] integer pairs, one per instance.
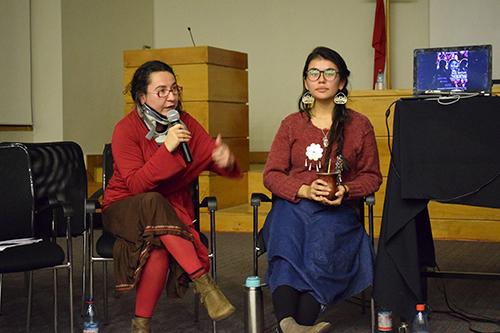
{"points": [[323, 250]]}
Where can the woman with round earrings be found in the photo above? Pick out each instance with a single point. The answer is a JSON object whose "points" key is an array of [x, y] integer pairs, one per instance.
{"points": [[318, 251]]}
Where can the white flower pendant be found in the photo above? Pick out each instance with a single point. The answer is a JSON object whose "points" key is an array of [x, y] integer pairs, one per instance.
{"points": [[314, 153]]}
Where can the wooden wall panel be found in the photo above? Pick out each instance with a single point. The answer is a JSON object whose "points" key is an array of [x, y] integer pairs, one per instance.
{"points": [[227, 84], [228, 119], [240, 147], [229, 192], [374, 103]]}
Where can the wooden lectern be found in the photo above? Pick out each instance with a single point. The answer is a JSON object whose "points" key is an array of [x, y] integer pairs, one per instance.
{"points": [[215, 83]]}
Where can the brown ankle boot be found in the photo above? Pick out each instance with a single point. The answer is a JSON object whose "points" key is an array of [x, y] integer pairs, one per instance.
{"points": [[141, 325], [217, 305], [289, 325], [321, 327]]}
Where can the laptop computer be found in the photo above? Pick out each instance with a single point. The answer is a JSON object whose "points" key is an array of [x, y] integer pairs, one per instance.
{"points": [[460, 70]]}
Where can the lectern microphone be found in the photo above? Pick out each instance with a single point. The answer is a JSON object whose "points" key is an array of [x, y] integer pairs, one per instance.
{"points": [[191, 35]]}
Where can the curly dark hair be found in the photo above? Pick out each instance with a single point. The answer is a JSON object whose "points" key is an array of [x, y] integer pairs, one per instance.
{"points": [[141, 79]]}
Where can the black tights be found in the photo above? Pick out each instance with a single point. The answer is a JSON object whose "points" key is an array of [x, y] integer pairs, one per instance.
{"points": [[289, 302]]}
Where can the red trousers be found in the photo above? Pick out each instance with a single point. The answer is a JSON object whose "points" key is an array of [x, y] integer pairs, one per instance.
{"points": [[154, 272]]}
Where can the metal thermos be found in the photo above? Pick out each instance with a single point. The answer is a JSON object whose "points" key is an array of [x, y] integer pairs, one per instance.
{"points": [[253, 306]]}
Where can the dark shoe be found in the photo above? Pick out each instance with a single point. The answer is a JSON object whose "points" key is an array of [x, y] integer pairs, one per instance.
{"points": [[217, 305], [141, 325]]}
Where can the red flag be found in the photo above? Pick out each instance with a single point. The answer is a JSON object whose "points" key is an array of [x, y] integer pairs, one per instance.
{"points": [[378, 40]]}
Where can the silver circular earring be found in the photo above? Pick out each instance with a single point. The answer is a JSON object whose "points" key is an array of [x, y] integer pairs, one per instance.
{"points": [[307, 99], [340, 98]]}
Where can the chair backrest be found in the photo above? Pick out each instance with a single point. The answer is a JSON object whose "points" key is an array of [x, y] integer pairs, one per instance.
{"points": [[107, 165], [16, 186], [58, 170]]}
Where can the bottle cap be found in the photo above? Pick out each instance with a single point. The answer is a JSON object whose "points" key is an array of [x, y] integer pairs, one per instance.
{"points": [[252, 282], [420, 307]]}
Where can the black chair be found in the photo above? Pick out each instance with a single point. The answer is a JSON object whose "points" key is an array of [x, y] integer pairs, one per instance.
{"points": [[259, 247], [59, 174], [18, 214], [102, 251]]}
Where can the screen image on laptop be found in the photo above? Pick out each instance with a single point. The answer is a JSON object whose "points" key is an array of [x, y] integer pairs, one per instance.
{"points": [[448, 70]]}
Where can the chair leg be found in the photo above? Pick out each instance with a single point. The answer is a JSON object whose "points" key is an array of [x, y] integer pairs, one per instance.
{"points": [[71, 312], [213, 247], [91, 279], [105, 290], [30, 295], [1, 280], [54, 273], [85, 255]]}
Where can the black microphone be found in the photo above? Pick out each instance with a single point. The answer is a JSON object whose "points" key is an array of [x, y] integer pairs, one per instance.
{"points": [[191, 35], [173, 119]]}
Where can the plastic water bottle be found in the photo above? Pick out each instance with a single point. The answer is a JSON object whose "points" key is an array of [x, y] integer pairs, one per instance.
{"points": [[253, 306], [420, 323], [384, 320], [90, 323], [379, 84]]}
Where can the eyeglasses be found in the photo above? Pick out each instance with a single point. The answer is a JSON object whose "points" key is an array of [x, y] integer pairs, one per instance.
{"points": [[329, 74], [163, 92]]}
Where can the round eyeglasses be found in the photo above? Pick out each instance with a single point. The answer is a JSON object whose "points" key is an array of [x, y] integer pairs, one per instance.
{"points": [[163, 92], [329, 74]]}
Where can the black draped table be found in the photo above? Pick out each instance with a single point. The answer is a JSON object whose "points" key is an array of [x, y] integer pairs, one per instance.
{"points": [[449, 153]]}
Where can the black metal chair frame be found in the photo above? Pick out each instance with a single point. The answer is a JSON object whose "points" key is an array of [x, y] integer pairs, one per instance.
{"points": [[60, 174], [209, 202], [258, 249], [50, 206]]}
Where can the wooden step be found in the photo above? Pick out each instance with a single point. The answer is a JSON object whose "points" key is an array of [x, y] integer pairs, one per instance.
{"points": [[235, 219]]}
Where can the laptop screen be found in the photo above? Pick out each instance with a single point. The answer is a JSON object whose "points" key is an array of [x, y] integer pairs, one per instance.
{"points": [[447, 70]]}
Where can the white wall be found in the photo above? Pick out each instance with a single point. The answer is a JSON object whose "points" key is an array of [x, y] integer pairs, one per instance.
{"points": [[277, 35], [463, 22], [94, 35], [78, 45], [15, 62], [77, 78], [47, 88]]}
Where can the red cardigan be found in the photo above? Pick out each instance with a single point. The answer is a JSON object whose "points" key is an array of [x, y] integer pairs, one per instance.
{"points": [[285, 171], [142, 165]]}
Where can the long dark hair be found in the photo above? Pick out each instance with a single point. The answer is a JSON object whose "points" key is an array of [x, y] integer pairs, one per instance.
{"points": [[340, 114], [141, 79]]}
